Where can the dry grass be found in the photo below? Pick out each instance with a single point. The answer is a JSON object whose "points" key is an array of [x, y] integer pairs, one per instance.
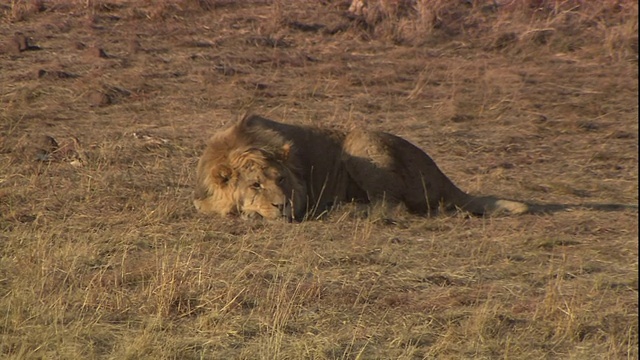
{"points": [[103, 255]]}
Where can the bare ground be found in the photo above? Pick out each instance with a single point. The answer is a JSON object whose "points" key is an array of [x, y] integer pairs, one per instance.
{"points": [[105, 107]]}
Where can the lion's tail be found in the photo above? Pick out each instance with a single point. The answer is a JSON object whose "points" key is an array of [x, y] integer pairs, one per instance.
{"points": [[485, 205]]}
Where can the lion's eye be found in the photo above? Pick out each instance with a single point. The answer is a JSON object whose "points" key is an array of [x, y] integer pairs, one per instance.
{"points": [[256, 185]]}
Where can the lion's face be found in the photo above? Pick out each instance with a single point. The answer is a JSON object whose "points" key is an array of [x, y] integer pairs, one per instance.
{"points": [[267, 188]]}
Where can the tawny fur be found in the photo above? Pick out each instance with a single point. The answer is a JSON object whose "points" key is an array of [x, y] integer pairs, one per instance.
{"points": [[301, 171]]}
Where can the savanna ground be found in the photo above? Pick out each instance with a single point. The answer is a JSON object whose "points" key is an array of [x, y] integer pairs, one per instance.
{"points": [[104, 256]]}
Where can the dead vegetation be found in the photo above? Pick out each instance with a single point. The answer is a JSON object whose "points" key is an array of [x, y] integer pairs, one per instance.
{"points": [[105, 107]]}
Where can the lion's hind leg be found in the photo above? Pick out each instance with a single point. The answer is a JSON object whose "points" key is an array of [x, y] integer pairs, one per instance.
{"points": [[387, 166], [370, 165]]}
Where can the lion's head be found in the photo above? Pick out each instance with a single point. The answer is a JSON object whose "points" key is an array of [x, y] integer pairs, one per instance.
{"points": [[267, 185], [251, 171]]}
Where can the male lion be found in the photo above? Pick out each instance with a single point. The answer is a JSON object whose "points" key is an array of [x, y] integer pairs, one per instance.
{"points": [[262, 168]]}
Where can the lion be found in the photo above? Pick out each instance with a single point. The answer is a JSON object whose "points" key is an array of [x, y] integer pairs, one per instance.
{"points": [[260, 168]]}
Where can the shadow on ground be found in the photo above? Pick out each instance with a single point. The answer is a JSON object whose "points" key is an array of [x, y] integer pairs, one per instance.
{"points": [[535, 208]]}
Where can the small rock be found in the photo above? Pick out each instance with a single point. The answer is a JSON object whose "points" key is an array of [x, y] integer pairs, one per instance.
{"points": [[623, 135], [46, 145], [16, 44], [55, 74], [315, 27], [98, 98], [21, 42], [9, 47], [459, 118], [97, 52], [42, 155], [49, 143], [134, 46], [589, 125]]}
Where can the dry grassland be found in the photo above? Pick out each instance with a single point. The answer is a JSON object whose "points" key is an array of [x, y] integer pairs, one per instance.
{"points": [[106, 105]]}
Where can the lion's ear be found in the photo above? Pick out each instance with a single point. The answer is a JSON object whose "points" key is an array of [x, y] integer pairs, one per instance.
{"points": [[221, 174], [285, 151]]}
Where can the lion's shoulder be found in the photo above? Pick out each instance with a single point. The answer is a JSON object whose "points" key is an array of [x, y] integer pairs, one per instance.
{"points": [[307, 142]]}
